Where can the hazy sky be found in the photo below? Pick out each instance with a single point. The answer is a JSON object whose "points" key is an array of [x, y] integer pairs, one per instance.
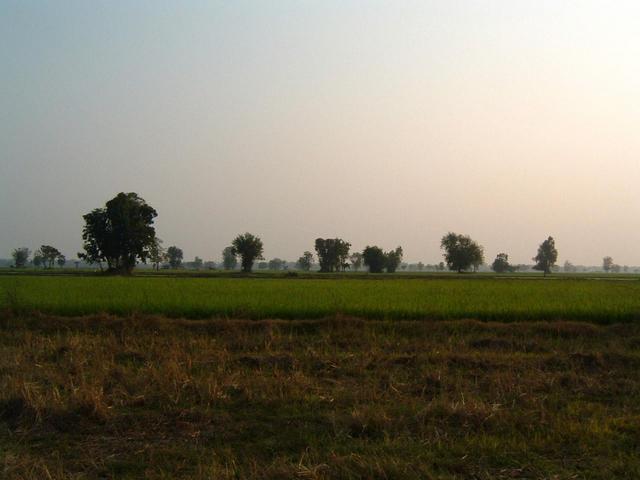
{"points": [[385, 123]]}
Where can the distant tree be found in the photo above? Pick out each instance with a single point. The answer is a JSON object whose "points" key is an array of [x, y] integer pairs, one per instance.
{"points": [[569, 267], [157, 255], [276, 264], [197, 263], [461, 252], [263, 266], [61, 260], [48, 254], [210, 265], [250, 248], [305, 261], [392, 260], [615, 268], [76, 263], [546, 257], [404, 266], [607, 262], [374, 258], [420, 266], [174, 256], [332, 254], [20, 257], [229, 260], [501, 264], [119, 234], [37, 259], [356, 261]]}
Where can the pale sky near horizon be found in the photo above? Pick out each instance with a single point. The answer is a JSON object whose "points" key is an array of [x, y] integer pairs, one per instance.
{"points": [[387, 123]]}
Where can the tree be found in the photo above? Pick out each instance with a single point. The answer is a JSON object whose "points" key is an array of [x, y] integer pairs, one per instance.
{"points": [[420, 266], [277, 264], [174, 256], [374, 259], [197, 263], [305, 261], [119, 234], [332, 253], [356, 261], [607, 263], [392, 259], [20, 257], [377, 260], [37, 259], [546, 257], [501, 264], [61, 260], [461, 252], [250, 248], [569, 267], [229, 260], [47, 255], [157, 255]]}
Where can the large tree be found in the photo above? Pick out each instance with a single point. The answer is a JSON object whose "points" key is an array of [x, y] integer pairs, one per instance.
{"points": [[305, 261], [607, 263], [461, 252], [175, 256], [250, 249], [229, 259], [119, 234], [332, 254], [547, 256], [20, 257]]}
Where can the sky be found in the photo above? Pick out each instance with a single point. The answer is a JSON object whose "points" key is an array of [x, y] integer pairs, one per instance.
{"points": [[381, 122]]}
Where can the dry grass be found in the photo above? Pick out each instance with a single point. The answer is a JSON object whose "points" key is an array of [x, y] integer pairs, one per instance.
{"points": [[151, 397]]}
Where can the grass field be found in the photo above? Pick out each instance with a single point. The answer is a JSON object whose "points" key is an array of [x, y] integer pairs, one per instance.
{"points": [[484, 298], [151, 397]]}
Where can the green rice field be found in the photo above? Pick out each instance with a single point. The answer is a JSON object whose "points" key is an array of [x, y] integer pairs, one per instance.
{"points": [[489, 298]]}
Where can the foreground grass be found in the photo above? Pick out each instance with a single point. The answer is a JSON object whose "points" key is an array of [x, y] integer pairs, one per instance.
{"points": [[151, 397], [257, 298]]}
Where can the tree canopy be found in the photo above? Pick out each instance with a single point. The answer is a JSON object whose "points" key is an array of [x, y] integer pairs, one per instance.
{"points": [[461, 252], [377, 260], [119, 234], [229, 259], [501, 264], [305, 261], [47, 255], [332, 254], [20, 257], [547, 256], [250, 248], [175, 256]]}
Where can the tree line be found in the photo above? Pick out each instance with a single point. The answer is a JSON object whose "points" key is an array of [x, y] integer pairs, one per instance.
{"points": [[121, 234]]}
